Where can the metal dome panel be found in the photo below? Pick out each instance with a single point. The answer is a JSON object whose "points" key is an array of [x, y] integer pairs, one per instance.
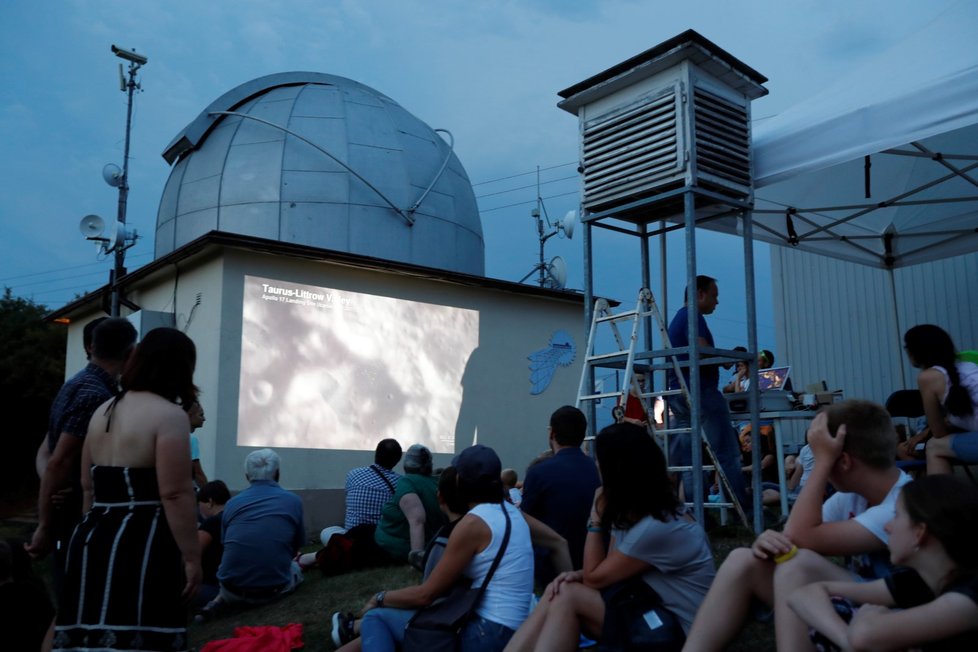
{"points": [[241, 175]]}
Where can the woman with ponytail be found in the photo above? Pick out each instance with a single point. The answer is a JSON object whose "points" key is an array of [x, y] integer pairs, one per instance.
{"points": [[949, 392]]}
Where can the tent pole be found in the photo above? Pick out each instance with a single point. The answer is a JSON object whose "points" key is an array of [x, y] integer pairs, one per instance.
{"points": [[896, 323]]}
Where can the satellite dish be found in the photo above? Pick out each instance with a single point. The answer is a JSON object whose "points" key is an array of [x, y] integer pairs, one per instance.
{"points": [[567, 224], [109, 236], [112, 175], [92, 226], [557, 273]]}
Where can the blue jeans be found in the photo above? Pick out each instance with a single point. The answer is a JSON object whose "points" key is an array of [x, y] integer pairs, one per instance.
{"points": [[715, 420], [965, 447], [382, 630]]}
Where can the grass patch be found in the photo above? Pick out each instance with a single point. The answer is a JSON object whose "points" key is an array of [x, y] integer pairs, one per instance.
{"points": [[318, 596], [311, 604]]}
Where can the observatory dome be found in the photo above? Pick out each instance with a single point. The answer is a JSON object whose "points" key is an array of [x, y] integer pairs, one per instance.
{"points": [[322, 161]]}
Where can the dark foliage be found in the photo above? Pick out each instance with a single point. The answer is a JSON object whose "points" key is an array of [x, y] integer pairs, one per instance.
{"points": [[32, 358]]}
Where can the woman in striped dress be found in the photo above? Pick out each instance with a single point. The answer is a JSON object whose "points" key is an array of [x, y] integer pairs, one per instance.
{"points": [[134, 560]]}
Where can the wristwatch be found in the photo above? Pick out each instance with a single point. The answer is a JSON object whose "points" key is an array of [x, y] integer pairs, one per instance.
{"points": [[379, 598]]}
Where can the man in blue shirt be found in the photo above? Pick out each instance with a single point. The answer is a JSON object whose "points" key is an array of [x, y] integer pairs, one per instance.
{"points": [[559, 490], [714, 414], [262, 530], [59, 504]]}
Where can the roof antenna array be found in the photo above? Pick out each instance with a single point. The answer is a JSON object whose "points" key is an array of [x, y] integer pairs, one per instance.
{"points": [[115, 237], [553, 274]]}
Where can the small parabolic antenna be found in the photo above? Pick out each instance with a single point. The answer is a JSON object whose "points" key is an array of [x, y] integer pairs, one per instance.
{"points": [[566, 224], [553, 274], [107, 236], [557, 273], [112, 175]]}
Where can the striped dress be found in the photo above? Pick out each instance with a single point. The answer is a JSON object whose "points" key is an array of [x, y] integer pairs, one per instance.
{"points": [[124, 572]]}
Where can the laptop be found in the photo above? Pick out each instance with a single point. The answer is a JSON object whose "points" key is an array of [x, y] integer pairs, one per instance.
{"points": [[774, 378], [774, 398]]}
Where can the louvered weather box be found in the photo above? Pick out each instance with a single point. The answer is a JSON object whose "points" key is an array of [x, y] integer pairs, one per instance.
{"points": [[676, 116]]}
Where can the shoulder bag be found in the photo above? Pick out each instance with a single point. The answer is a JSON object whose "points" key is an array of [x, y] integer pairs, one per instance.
{"points": [[436, 627], [635, 619]]}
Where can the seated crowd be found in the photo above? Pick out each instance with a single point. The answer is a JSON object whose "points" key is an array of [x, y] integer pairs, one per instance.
{"points": [[617, 557]]}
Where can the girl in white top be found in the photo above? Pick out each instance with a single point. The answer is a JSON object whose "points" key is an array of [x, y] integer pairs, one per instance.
{"points": [[948, 390], [472, 546]]}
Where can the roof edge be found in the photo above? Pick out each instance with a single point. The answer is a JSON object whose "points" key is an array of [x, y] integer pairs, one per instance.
{"points": [[263, 245], [674, 45]]}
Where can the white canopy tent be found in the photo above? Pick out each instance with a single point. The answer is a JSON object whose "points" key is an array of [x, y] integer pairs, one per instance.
{"points": [[879, 169], [913, 111]]}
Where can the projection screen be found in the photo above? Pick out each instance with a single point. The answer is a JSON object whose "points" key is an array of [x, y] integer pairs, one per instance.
{"points": [[334, 369]]}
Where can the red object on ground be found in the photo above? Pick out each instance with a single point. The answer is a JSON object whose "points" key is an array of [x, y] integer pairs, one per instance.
{"points": [[263, 638]]}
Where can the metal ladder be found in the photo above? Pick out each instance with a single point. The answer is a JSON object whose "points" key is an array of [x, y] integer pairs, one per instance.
{"points": [[644, 308]]}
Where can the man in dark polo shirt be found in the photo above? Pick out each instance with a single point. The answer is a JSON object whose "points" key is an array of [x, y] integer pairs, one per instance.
{"points": [[73, 407], [560, 490]]}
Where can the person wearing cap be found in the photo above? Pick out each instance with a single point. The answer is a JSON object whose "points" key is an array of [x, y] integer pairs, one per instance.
{"points": [[472, 547], [412, 516]]}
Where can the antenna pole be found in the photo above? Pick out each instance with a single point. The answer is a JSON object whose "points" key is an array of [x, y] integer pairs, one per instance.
{"points": [[119, 270], [536, 214]]}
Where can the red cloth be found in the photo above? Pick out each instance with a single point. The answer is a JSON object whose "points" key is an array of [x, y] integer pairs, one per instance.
{"points": [[634, 408], [264, 638]]}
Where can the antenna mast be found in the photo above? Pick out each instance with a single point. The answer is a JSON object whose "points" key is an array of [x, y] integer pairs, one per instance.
{"points": [[136, 61], [565, 226]]}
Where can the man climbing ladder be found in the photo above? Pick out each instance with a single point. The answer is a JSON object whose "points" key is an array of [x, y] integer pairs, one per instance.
{"points": [[714, 414], [676, 438]]}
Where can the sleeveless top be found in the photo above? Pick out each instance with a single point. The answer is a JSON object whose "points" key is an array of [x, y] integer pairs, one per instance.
{"points": [[507, 598], [967, 378]]}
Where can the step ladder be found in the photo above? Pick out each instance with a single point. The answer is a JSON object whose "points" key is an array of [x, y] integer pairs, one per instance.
{"points": [[645, 307]]}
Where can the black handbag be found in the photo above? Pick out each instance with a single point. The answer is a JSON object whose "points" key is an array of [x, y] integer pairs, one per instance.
{"points": [[635, 619], [436, 628]]}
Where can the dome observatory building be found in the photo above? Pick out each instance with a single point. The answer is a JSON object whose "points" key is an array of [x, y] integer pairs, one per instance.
{"points": [[323, 248], [326, 162]]}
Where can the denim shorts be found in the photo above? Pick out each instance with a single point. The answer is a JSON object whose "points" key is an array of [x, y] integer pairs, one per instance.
{"points": [[965, 447]]}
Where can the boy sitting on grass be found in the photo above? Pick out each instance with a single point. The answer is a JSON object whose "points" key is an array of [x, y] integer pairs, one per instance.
{"points": [[854, 444]]}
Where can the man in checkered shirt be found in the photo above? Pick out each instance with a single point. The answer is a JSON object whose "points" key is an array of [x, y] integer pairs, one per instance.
{"points": [[369, 487], [112, 342]]}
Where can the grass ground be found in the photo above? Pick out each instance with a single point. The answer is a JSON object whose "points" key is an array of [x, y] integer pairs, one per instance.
{"points": [[318, 597], [311, 604]]}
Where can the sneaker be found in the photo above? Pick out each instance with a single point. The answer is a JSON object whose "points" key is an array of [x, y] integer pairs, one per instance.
{"points": [[342, 628], [208, 613], [328, 533]]}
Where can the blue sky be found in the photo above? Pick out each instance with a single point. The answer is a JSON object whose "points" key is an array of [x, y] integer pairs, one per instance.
{"points": [[487, 71]]}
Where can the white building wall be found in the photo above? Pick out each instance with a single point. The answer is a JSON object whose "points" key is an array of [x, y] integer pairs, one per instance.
{"points": [[944, 293], [497, 402], [192, 292]]}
